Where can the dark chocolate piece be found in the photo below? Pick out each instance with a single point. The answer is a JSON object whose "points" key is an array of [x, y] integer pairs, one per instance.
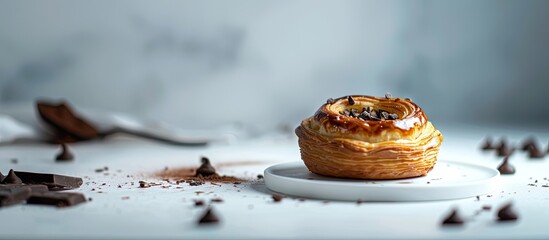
{"points": [[505, 168], [350, 100], [206, 169], [59, 199], [506, 213], [208, 217], [277, 197], [388, 95], [486, 207], [259, 176], [11, 178], [53, 181], [32, 187], [535, 152], [330, 101], [65, 154], [488, 144], [453, 219], [65, 121], [14, 195]]}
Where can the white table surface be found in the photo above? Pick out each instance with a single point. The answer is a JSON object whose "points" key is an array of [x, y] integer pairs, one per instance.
{"points": [[247, 210]]}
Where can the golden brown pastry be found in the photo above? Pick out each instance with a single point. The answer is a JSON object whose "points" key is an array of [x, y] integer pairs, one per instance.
{"points": [[370, 138]]}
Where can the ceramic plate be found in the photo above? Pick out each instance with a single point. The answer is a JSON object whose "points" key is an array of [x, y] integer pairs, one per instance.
{"points": [[447, 180]]}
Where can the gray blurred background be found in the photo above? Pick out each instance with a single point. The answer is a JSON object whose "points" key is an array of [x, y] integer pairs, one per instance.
{"points": [[266, 64]]}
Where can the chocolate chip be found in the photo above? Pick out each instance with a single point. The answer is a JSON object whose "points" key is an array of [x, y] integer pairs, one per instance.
{"points": [[351, 100], [504, 149], [488, 144], [506, 213], [453, 219], [208, 217], [505, 168], [527, 143], [2, 177], [364, 115], [259, 176], [384, 115], [330, 101], [388, 95], [11, 178], [535, 152], [65, 154], [206, 169], [277, 197]]}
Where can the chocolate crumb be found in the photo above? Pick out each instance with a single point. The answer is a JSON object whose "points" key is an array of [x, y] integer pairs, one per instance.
{"points": [[206, 169], [65, 154], [143, 184], [506, 213], [217, 200], [259, 176], [453, 219], [486, 207], [125, 198], [11, 178], [505, 168], [208, 217], [351, 100], [90, 199], [198, 203], [478, 198], [330, 101], [14, 160], [277, 197]]}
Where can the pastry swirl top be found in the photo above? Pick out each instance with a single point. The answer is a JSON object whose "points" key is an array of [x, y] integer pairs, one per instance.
{"points": [[328, 121]]}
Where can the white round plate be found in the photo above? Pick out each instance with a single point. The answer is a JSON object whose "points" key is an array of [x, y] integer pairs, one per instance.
{"points": [[447, 180]]}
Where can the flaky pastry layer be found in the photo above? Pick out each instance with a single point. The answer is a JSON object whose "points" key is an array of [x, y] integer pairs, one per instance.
{"points": [[336, 145]]}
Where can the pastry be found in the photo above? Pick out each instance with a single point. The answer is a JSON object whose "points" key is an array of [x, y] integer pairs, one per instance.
{"points": [[369, 138]]}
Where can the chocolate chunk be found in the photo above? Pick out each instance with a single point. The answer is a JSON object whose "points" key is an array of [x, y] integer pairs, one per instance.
{"points": [[535, 152], [59, 199], [393, 116], [488, 144], [330, 101], [350, 100], [11, 196], [505, 168], [384, 115], [53, 181], [208, 217], [12, 178], [388, 95], [506, 213], [65, 121], [453, 219], [364, 115], [206, 169], [354, 113], [65, 154], [277, 197], [32, 187]]}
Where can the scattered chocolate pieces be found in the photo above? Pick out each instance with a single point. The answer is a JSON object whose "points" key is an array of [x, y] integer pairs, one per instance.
{"points": [[206, 169], [453, 219], [65, 154], [369, 114], [488, 144], [11, 196], [208, 217], [11, 178], [59, 199], [505, 168], [53, 181], [277, 197], [506, 213], [351, 100], [330, 101]]}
